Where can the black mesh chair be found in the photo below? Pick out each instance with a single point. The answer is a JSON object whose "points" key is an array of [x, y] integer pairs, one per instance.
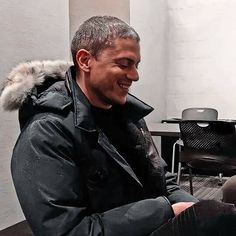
{"points": [[209, 147], [192, 113]]}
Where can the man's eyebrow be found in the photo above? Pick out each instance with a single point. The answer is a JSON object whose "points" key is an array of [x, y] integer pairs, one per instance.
{"points": [[130, 60]]}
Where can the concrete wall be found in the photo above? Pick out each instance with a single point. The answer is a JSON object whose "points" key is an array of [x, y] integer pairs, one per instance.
{"points": [[188, 55], [29, 30], [150, 20], [202, 56]]}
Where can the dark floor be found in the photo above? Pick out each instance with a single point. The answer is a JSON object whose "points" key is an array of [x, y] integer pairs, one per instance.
{"points": [[204, 187]]}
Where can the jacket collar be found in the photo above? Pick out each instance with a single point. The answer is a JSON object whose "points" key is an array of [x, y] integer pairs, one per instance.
{"points": [[134, 109]]}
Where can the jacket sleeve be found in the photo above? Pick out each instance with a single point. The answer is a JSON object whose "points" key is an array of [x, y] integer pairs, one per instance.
{"points": [[173, 191], [50, 189]]}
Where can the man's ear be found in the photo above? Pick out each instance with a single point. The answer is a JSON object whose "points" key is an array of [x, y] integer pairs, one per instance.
{"points": [[83, 58]]}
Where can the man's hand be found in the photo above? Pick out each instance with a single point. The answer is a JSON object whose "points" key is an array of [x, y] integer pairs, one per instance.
{"points": [[181, 206]]}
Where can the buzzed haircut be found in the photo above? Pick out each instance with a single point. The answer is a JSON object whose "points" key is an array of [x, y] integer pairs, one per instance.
{"points": [[98, 33]]}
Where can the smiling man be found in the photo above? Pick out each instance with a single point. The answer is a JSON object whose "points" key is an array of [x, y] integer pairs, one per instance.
{"points": [[85, 163]]}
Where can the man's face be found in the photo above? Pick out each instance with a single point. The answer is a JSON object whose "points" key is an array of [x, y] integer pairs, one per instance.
{"points": [[112, 73]]}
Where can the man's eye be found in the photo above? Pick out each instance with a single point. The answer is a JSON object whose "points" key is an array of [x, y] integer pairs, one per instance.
{"points": [[123, 66]]}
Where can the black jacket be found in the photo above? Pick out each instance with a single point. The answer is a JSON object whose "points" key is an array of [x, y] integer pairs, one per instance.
{"points": [[71, 180]]}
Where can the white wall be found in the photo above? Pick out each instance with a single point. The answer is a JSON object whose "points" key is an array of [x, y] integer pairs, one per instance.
{"points": [[29, 30], [202, 56], [188, 55], [150, 20]]}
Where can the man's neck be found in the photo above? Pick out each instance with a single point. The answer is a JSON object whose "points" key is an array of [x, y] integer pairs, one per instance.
{"points": [[80, 80]]}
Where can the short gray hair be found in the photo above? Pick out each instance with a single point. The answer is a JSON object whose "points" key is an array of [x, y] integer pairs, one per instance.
{"points": [[98, 32]]}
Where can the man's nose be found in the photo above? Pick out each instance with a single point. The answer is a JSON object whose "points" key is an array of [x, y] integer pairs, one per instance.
{"points": [[133, 74]]}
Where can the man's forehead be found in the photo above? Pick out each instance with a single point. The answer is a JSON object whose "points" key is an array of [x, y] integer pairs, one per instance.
{"points": [[121, 47]]}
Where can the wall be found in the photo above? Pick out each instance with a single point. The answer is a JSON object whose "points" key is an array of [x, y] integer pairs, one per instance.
{"points": [[29, 30], [150, 21], [202, 54]]}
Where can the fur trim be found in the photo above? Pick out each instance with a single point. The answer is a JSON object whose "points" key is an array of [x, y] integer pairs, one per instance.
{"points": [[24, 77]]}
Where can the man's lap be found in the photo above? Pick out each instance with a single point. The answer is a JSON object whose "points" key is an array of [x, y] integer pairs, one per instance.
{"points": [[205, 218]]}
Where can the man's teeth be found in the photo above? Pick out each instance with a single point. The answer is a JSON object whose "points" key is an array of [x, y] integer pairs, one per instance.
{"points": [[125, 86]]}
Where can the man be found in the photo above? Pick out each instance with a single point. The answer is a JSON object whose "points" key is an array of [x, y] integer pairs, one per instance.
{"points": [[85, 163]]}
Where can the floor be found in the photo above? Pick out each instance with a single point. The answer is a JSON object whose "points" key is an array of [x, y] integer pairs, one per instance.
{"points": [[204, 187]]}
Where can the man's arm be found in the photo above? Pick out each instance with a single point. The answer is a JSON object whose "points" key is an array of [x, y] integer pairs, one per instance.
{"points": [[179, 198], [175, 193], [51, 190]]}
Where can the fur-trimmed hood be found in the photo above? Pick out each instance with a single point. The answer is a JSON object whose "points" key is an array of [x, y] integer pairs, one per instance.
{"points": [[24, 77]]}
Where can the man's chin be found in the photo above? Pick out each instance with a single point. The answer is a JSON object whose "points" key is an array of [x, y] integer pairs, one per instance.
{"points": [[120, 101], [116, 100]]}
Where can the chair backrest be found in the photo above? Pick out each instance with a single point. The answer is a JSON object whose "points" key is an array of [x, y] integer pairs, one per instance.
{"points": [[209, 136], [204, 113]]}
